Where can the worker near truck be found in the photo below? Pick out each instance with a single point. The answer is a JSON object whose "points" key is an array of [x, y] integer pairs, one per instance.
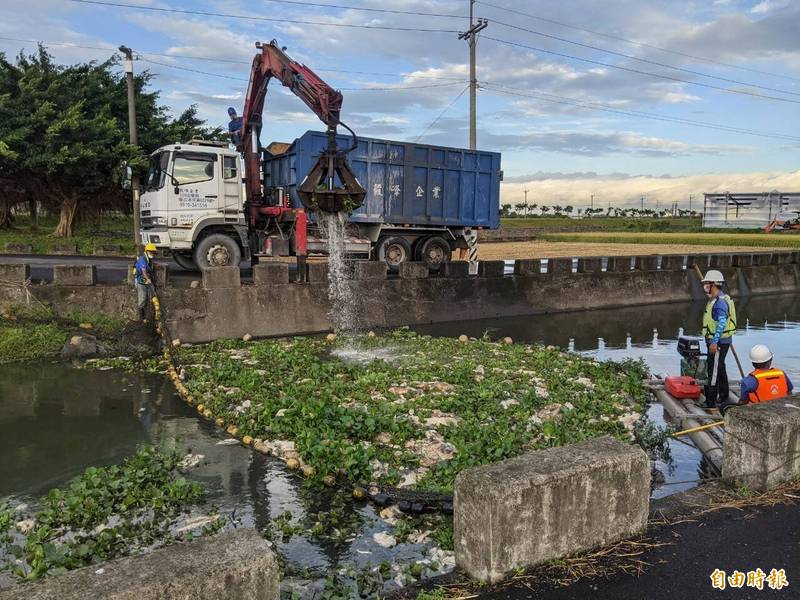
{"points": [[719, 324], [143, 277], [234, 126], [764, 383]]}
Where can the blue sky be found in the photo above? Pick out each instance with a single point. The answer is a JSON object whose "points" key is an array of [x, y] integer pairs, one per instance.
{"points": [[550, 115]]}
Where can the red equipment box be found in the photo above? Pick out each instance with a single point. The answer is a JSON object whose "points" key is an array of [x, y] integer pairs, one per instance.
{"points": [[682, 387]]}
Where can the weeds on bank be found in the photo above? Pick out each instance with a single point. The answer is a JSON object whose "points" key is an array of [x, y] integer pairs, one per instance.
{"points": [[427, 409], [104, 513], [761, 240], [35, 332]]}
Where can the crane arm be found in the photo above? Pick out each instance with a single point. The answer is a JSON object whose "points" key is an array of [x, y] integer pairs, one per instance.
{"points": [[325, 102]]}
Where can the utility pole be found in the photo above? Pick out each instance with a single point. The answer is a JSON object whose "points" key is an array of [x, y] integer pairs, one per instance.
{"points": [[134, 142], [471, 35], [591, 201], [690, 204], [642, 202], [526, 195]]}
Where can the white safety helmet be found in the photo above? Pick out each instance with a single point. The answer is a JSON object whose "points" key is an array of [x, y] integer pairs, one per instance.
{"points": [[760, 354], [714, 276]]}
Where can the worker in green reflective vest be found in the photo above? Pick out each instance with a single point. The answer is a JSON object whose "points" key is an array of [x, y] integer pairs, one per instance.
{"points": [[719, 324]]}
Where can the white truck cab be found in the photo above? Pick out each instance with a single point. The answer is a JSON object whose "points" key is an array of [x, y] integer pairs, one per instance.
{"points": [[192, 204]]}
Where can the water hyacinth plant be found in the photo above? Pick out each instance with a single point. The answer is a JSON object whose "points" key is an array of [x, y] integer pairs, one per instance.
{"points": [[410, 410]]}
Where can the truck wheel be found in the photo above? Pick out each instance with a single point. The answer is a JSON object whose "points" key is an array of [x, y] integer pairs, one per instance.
{"points": [[185, 261], [393, 251], [435, 251], [217, 250]]}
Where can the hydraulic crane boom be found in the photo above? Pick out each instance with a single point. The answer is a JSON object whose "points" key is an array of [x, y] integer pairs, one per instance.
{"points": [[319, 191]]}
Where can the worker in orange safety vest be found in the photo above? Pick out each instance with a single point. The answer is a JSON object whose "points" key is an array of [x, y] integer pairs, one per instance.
{"points": [[765, 382]]}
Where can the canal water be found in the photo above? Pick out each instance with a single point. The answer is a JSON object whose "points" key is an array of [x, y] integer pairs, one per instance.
{"points": [[55, 421]]}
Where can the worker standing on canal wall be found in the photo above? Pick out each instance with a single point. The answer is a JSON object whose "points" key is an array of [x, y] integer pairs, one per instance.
{"points": [[719, 324], [764, 383], [143, 277]]}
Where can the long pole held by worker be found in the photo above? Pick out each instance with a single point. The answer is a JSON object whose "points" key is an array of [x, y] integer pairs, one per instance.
{"points": [[733, 348], [134, 142]]}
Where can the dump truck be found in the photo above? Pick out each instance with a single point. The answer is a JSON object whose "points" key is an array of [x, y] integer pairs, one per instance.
{"points": [[210, 204]]}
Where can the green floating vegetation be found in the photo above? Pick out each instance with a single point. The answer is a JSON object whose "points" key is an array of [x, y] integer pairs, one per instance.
{"points": [[102, 514], [406, 409]]}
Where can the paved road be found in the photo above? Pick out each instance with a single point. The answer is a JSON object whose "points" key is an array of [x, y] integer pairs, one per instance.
{"points": [[765, 538], [110, 269]]}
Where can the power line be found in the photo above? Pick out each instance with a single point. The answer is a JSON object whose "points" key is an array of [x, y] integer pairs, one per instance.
{"points": [[643, 60], [553, 98], [641, 44], [366, 9], [254, 18], [359, 89], [67, 44], [648, 73], [441, 114]]}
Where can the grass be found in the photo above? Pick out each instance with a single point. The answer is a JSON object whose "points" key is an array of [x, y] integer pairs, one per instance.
{"points": [[107, 229], [760, 240], [433, 407], [605, 223], [34, 333]]}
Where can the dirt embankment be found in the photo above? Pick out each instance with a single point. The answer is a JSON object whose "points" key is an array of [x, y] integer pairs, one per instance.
{"points": [[536, 249]]}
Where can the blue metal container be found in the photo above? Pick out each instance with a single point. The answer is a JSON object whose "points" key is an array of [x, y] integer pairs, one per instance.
{"points": [[406, 183]]}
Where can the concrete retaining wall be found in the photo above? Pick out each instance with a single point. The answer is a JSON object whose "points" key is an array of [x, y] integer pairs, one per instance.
{"points": [[272, 305], [762, 444], [229, 566], [548, 504]]}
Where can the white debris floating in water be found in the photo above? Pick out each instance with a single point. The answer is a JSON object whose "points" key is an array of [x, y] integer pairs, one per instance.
{"points": [[340, 290]]}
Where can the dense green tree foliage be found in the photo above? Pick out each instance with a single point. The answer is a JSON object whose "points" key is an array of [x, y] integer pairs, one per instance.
{"points": [[64, 133]]}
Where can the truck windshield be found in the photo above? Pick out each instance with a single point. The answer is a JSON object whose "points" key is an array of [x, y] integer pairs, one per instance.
{"points": [[157, 172]]}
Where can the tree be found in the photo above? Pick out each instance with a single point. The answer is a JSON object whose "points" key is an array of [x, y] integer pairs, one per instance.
{"points": [[568, 209], [544, 209], [65, 133], [505, 210]]}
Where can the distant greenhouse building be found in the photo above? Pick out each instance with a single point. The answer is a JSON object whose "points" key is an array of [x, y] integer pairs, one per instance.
{"points": [[748, 210]]}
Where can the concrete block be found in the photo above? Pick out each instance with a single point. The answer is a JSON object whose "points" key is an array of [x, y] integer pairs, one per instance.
{"points": [[762, 444], [762, 259], [221, 277], [491, 268], [455, 269], [781, 258], [317, 272], [18, 248], [559, 266], [619, 264], [74, 275], [742, 260], [590, 265], [646, 263], [14, 273], [701, 260], [369, 270], [108, 250], [548, 504], [528, 267], [413, 270], [228, 566], [672, 262], [65, 248], [271, 273], [720, 261]]}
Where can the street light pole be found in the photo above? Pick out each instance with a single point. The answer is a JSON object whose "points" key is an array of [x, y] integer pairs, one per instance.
{"points": [[471, 35], [132, 135]]}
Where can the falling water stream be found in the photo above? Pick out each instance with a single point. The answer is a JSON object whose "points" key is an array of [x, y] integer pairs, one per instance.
{"points": [[343, 311]]}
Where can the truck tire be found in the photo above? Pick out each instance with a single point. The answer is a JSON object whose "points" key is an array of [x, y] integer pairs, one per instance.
{"points": [[393, 251], [185, 261], [435, 251], [217, 250]]}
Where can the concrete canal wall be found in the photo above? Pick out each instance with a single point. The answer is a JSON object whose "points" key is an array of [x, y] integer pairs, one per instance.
{"points": [[229, 566], [272, 305]]}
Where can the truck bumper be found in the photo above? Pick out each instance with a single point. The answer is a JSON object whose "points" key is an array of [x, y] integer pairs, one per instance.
{"points": [[169, 239]]}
